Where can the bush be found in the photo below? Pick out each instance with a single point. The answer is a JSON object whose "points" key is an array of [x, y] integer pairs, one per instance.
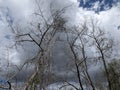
{"points": [[114, 74]]}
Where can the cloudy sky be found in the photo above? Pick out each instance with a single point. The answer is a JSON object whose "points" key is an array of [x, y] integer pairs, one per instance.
{"points": [[21, 11]]}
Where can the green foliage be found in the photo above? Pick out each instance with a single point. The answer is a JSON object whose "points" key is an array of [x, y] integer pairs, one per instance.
{"points": [[114, 74]]}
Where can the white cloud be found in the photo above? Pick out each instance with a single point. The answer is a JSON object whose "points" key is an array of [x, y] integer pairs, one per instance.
{"points": [[19, 8], [109, 19]]}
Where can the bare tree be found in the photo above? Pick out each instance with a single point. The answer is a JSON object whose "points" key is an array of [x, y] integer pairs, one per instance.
{"points": [[9, 71], [78, 46], [43, 36], [103, 45]]}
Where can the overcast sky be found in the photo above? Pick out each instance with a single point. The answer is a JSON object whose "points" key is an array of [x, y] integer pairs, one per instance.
{"points": [[21, 11]]}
